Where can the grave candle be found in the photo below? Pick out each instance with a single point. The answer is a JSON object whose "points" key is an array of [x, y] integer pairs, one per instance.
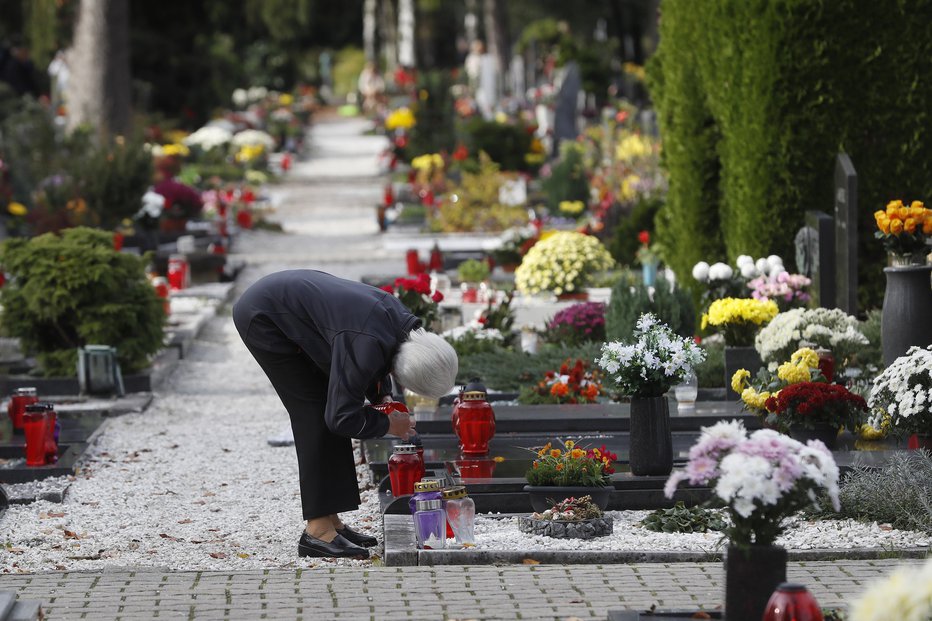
{"points": [[404, 469], [430, 525], [17, 407], [34, 423], [792, 602], [51, 435], [461, 515], [424, 490], [826, 364]]}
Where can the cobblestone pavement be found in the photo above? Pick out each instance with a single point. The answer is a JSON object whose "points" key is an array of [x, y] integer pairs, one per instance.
{"points": [[521, 592]]}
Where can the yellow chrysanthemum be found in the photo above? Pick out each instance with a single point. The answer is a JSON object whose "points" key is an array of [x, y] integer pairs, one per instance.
{"points": [[402, 118], [740, 310], [793, 373], [807, 356], [739, 379], [569, 444], [286, 99], [176, 149], [17, 209], [555, 453]]}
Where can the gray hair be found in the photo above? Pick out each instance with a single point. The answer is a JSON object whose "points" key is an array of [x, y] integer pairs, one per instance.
{"points": [[426, 364]]}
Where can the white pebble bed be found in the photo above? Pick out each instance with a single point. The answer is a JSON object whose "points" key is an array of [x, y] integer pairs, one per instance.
{"points": [[495, 533]]}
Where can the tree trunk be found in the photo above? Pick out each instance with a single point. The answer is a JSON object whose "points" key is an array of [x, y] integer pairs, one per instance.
{"points": [[406, 33], [99, 88], [368, 28], [389, 34]]}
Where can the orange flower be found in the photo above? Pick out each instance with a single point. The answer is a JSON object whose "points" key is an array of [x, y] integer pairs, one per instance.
{"points": [[559, 467], [927, 226], [555, 453], [909, 225], [577, 453], [917, 204], [902, 213], [917, 212], [534, 465], [559, 389], [884, 226], [896, 226]]}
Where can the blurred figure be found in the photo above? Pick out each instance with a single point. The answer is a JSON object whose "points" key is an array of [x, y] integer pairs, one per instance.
{"points": [[371, 88], [59, 72], [17, 69]]}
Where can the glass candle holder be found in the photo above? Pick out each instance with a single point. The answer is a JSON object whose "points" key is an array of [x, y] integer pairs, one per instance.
{"points": [[687, 392], [34, 426], [826, 364], [792, 602], [424, 490], [461, 515], [404, 469], [18, 401], [430, 525], [51, 439]]}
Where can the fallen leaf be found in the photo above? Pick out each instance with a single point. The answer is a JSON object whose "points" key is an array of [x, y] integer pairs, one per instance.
{"points": [[60, 567], [15, 550], [530, 561], [199, 502], [185, 521], [173, 446], [46, 516], [885, 527], [217, 555], [169, 537], [208, 494], [701, 615], [70, 534], [243, 555]]}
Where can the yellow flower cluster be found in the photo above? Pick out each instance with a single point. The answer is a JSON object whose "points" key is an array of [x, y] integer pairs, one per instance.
{"points": [[798, 369], [285, 99], [756, 400], [740, 379], [249, 152], [175, 149], [17, 209], [633, 147], [402, 118], [427, 161], [898, 218], [572, 207], [739, 310], [561, 263]]}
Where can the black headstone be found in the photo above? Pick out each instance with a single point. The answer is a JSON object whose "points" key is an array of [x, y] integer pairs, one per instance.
{"points": [[815, 256], [846, 234]]}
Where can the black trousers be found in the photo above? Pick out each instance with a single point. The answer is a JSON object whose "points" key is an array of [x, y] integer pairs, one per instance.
{"points": [[326, 465]]}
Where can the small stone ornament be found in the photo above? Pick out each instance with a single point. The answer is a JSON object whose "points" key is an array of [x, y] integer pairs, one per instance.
{"points": [[573, 518]]}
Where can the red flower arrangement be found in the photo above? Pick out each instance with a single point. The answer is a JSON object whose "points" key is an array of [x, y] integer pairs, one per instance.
{"points": [[416, 295], [810, 404], [571, 384]]}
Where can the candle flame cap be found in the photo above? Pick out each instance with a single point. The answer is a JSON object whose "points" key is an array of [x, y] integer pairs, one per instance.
{"points": [[427, 486], [26, 391], [429, 505], [453, 493], [404, 449], [791, 587], [39, 407]]}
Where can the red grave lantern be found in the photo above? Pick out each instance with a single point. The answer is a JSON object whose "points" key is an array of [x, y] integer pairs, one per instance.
{"points": [[792, 602], [474, 419]]}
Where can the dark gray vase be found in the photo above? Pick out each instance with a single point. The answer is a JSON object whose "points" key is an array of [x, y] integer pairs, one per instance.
{"points": [[826, 433], [752, 574], [651, 450], [907, 309], [739, 358]]}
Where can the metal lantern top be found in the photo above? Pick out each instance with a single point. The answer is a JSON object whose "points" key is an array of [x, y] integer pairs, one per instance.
{"points": [[475, 391]]}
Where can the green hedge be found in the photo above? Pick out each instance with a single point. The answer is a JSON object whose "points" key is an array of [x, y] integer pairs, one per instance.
{"points": [[755, 99]]}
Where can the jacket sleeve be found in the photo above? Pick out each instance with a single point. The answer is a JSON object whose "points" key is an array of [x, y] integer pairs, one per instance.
{"points": [[356, 363]]}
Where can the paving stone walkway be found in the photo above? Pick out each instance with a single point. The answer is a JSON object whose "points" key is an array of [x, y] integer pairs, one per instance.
{"points": [[537, 592]]}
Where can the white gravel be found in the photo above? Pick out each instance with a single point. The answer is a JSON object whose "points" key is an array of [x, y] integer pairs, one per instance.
{"points": [[493, 533]]}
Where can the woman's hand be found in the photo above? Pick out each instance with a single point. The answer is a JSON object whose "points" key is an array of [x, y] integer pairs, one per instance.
{"points": [[400, 424]]}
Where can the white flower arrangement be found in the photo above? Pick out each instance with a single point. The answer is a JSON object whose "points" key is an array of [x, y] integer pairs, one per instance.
{"points": [[905, 595], [903, 392], [561, 263], [656, 361], [253, 138], [209, 137], [832, 329], [762, 478]]}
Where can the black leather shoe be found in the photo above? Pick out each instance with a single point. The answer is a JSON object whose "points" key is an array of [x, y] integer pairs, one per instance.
{"points": [[338, 548], [359, 539]]}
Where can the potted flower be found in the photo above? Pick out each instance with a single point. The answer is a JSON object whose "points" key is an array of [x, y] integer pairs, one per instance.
{"points": [[816, 410], [472, 273], [562, 263], [569, 472], [827, 328], [762, 479], [416, 295], [738, 320], [648, 255], [646, 369], [901, 395], [803, 366], [579, 323], [573, 383], [571, 518]]}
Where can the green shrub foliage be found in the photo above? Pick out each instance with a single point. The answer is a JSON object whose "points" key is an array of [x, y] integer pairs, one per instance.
{"points": [[624, 243], [756, 98], [674, 308], [73, 289]]}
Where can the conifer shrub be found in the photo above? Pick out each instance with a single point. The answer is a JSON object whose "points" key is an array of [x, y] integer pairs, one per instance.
{"points": [[73, 289]]}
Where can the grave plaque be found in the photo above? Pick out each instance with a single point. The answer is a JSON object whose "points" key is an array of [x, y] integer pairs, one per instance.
{"points": [[846, 234], [815, 256]]}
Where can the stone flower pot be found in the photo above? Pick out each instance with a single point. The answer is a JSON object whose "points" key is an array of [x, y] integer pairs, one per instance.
{"points": [[558, 529], [828, 434]]}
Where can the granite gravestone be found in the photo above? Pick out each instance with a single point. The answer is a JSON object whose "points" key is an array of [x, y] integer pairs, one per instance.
{"points": [[846, 235], [564, 127], [815, 256]]}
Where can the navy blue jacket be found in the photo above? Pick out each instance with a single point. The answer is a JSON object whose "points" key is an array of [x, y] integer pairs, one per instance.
{"points": [[350, 330]]}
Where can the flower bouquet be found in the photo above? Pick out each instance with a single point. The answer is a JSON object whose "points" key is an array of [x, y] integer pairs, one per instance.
{"points": [[647, 253], [416, 295], [561, 263], [571, 466], [903, 393], [811, 405], [739, 319], [658, 359], [763, 478], [831, 329], [803, 366], [787, 290], [571, 384], [577, 324], [903, 229]]}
